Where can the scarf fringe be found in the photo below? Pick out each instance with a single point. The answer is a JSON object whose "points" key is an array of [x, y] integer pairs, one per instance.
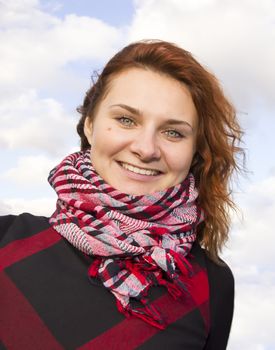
{"points": [[93, 269], [148, 313], [182, 263]]}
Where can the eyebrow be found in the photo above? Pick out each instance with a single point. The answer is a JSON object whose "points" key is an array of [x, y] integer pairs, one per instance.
{"points": [[137, 112], [128, 108]]}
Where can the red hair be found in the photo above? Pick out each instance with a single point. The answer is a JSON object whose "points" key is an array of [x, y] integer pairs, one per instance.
{"points": [[219, 133]]}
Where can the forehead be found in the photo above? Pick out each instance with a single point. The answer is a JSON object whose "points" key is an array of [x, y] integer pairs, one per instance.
{"points": [[130, 80], [150, 90]]}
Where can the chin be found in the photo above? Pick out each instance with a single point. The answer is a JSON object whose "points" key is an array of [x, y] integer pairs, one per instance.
{"points": [[133, 192], [141, 191]]}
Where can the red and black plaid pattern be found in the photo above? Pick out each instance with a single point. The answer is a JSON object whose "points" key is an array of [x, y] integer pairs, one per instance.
{"points": [[138, 241], [47, 301]]}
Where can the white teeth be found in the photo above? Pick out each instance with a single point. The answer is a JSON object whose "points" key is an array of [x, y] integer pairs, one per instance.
{"points": [[139, 170]]}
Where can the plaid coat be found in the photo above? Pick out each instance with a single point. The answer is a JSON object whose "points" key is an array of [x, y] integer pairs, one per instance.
{"points": [[47, 300]]}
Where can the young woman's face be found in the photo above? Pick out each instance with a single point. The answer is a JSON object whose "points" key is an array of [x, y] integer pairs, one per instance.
{"points": [[143, 135]]}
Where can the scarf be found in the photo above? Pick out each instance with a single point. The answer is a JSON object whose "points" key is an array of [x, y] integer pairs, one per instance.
{"points": [[136, 241]]}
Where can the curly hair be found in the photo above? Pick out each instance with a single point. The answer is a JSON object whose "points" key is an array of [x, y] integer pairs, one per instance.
{"points": [[219, 133]]}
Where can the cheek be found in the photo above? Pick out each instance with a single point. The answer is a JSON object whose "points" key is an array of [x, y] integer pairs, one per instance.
{"points": [[183, 165], [179, 161], [101, 134], [109, 141]]}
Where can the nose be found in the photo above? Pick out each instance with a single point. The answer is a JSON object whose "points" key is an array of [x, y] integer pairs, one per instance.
{"points": [[145, 146]]}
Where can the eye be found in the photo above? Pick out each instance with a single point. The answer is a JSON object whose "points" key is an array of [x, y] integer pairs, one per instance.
{"points": [[126, 121], [173, 134]]}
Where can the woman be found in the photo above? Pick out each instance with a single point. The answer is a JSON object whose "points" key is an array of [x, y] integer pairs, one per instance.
{"points": [[120, 264]]}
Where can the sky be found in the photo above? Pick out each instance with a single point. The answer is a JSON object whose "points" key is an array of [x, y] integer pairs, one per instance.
{"points": [[49, 50]]}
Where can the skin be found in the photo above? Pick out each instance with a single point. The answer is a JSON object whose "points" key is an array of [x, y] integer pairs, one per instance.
{"points": [[147, 120]]}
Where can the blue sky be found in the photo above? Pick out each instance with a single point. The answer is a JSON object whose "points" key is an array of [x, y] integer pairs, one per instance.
{"points": [[48, 52], [117, 13]]}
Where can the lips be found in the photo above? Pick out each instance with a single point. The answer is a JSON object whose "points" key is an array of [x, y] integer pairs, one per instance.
{"points": [[138, 170]]}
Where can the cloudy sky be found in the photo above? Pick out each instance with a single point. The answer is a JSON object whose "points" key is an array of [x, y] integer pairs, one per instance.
{"points": [[48, 52]]}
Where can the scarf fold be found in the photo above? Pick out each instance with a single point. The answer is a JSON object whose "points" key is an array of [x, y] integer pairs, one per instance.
{"points": [[136, 241]]}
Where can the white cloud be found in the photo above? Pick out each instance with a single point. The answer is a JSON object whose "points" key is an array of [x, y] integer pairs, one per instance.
{"points": [[252, 239], [42, 206], [23, 13], [36, 45], [234, 38], [254, 316], [30, 170], [31, 122], [5, 209], [250, 253]]}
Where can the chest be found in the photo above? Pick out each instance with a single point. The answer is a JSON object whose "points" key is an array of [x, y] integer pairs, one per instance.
{"points": [[51, 297]]}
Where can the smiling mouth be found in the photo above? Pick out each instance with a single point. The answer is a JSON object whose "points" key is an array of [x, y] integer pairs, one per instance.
{"points": [[141, 171]]}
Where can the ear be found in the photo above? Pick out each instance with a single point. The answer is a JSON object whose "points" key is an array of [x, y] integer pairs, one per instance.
{"points": [[88, 129]]}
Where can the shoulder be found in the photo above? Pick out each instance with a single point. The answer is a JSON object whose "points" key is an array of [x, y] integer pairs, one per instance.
{"points": [[220, 277], [13, 227], [221, 291]]}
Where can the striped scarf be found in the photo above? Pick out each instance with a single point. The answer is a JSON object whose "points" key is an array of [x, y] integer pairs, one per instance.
{"points": [[136, 241]]}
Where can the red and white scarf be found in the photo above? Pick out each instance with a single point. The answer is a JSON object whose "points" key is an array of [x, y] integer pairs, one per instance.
{"points": [[136, 241]]}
